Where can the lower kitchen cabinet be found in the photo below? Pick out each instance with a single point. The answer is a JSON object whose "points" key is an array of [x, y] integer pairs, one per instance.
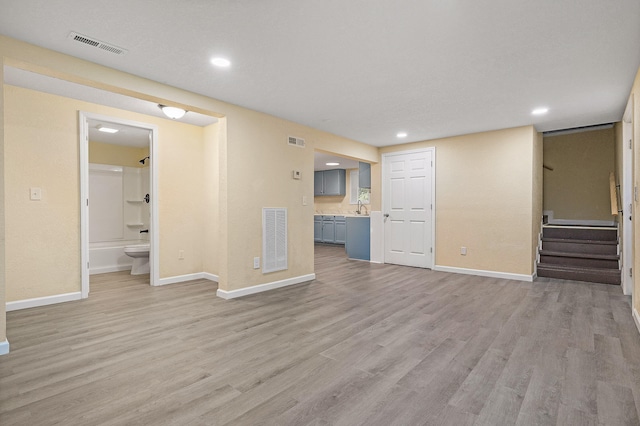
{"points": [[329, 229], [317, 229]]}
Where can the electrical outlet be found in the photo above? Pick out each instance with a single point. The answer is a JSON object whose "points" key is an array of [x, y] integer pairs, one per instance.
{"points": [[35, 194], [463, 251], [180, 254], [256, 263]]}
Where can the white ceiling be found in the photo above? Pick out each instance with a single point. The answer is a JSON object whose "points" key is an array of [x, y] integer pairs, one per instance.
{"points": [[367, 69]]}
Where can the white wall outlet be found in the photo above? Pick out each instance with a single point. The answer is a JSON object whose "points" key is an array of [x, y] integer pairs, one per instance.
{"points": [[463, 251], [180, 254], [256, 263], [35, 194], [304, 200]]}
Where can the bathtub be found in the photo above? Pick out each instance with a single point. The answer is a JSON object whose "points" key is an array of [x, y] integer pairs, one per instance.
{"points": [[108, 256]]}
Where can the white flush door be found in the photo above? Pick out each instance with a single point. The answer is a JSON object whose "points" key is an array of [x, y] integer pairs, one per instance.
{"points": [[408, 208]]}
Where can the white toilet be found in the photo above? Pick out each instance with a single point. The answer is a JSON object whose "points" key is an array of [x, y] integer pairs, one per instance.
{"points": [[140, 255]]}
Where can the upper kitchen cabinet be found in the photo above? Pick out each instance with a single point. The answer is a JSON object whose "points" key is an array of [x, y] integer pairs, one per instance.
{"points": [[364, 175], [330, 182]]}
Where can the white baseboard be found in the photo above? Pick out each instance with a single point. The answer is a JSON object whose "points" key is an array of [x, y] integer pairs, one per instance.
{"points": [[482, 273], [210, 277], [107, 269], [4, 347], [264, 287], [636, 317], [187, 277], [43, 301]]}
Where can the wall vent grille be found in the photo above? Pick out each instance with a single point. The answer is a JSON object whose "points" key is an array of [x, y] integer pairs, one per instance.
{"points": [[274, 239], [299, 142], [90, 41]]}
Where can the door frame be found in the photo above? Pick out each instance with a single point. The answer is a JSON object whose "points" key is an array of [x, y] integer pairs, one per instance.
{"points": [[385, 178], [154, 232], [627, 197]]}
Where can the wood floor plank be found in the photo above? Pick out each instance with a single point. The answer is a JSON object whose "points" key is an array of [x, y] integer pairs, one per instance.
{"points": [[363, 344]]}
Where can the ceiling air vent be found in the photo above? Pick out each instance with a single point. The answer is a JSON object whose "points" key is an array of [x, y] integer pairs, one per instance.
{"points": [[299, 142], [89, 41]]}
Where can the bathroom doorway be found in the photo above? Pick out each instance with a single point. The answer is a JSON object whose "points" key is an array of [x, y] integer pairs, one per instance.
{"points": [[118, 202]]}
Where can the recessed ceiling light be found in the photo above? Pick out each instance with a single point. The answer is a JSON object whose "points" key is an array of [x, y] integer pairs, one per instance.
{"points": [[102, 128], [540, 111], [402, 134], [332, 164], [221, 62]]}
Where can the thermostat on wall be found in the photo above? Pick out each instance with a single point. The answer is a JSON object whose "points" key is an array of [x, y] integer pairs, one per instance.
{"points": [[296, 174]]}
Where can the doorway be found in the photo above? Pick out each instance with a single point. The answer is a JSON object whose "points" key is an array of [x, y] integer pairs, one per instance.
{"points": [[88, 122], [408, 198]]}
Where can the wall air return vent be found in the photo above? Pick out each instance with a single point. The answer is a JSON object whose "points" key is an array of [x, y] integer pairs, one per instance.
{"points": [[299, 142], [274, 239], [89, 41]]}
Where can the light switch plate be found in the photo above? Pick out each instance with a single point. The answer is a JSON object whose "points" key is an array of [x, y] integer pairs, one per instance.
{"points": [[256, 263]]}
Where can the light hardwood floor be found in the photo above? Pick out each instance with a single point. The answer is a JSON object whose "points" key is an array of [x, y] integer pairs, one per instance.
{"points": [[363, 344]]}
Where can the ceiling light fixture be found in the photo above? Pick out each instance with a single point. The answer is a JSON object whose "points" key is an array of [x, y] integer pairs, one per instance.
{"points": [[332, 164], [221, 62], [402, 134], [540, 111], [104, 129], [172, 112]]}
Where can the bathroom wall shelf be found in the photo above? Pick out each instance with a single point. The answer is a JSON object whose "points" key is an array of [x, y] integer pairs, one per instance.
{"points": [[135, 225]]}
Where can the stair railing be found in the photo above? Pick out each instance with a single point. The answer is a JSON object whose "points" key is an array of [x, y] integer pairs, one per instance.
{"points": [[614, 194]]}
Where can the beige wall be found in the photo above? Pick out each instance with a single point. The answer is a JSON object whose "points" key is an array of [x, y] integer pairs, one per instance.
{"points": [[211, 198], [484, 199], [42, 150], [119, 155], [578, 186]]}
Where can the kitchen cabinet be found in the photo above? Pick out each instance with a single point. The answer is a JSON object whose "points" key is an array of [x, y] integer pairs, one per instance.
{"points": [[329, 229], [330, 182], [358, 241], [317, 229], [364, 175], [340, 229]]}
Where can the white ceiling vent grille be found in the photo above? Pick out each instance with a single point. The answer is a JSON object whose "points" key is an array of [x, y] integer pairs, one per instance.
{"points": [[89, 41], [299, 142]]}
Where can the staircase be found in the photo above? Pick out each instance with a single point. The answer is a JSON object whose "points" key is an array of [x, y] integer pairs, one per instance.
{"points": [[580, 253]]}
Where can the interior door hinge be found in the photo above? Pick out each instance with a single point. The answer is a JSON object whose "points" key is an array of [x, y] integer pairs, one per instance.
{"points": [[631, 272], [430, 249], [630, 144]]}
